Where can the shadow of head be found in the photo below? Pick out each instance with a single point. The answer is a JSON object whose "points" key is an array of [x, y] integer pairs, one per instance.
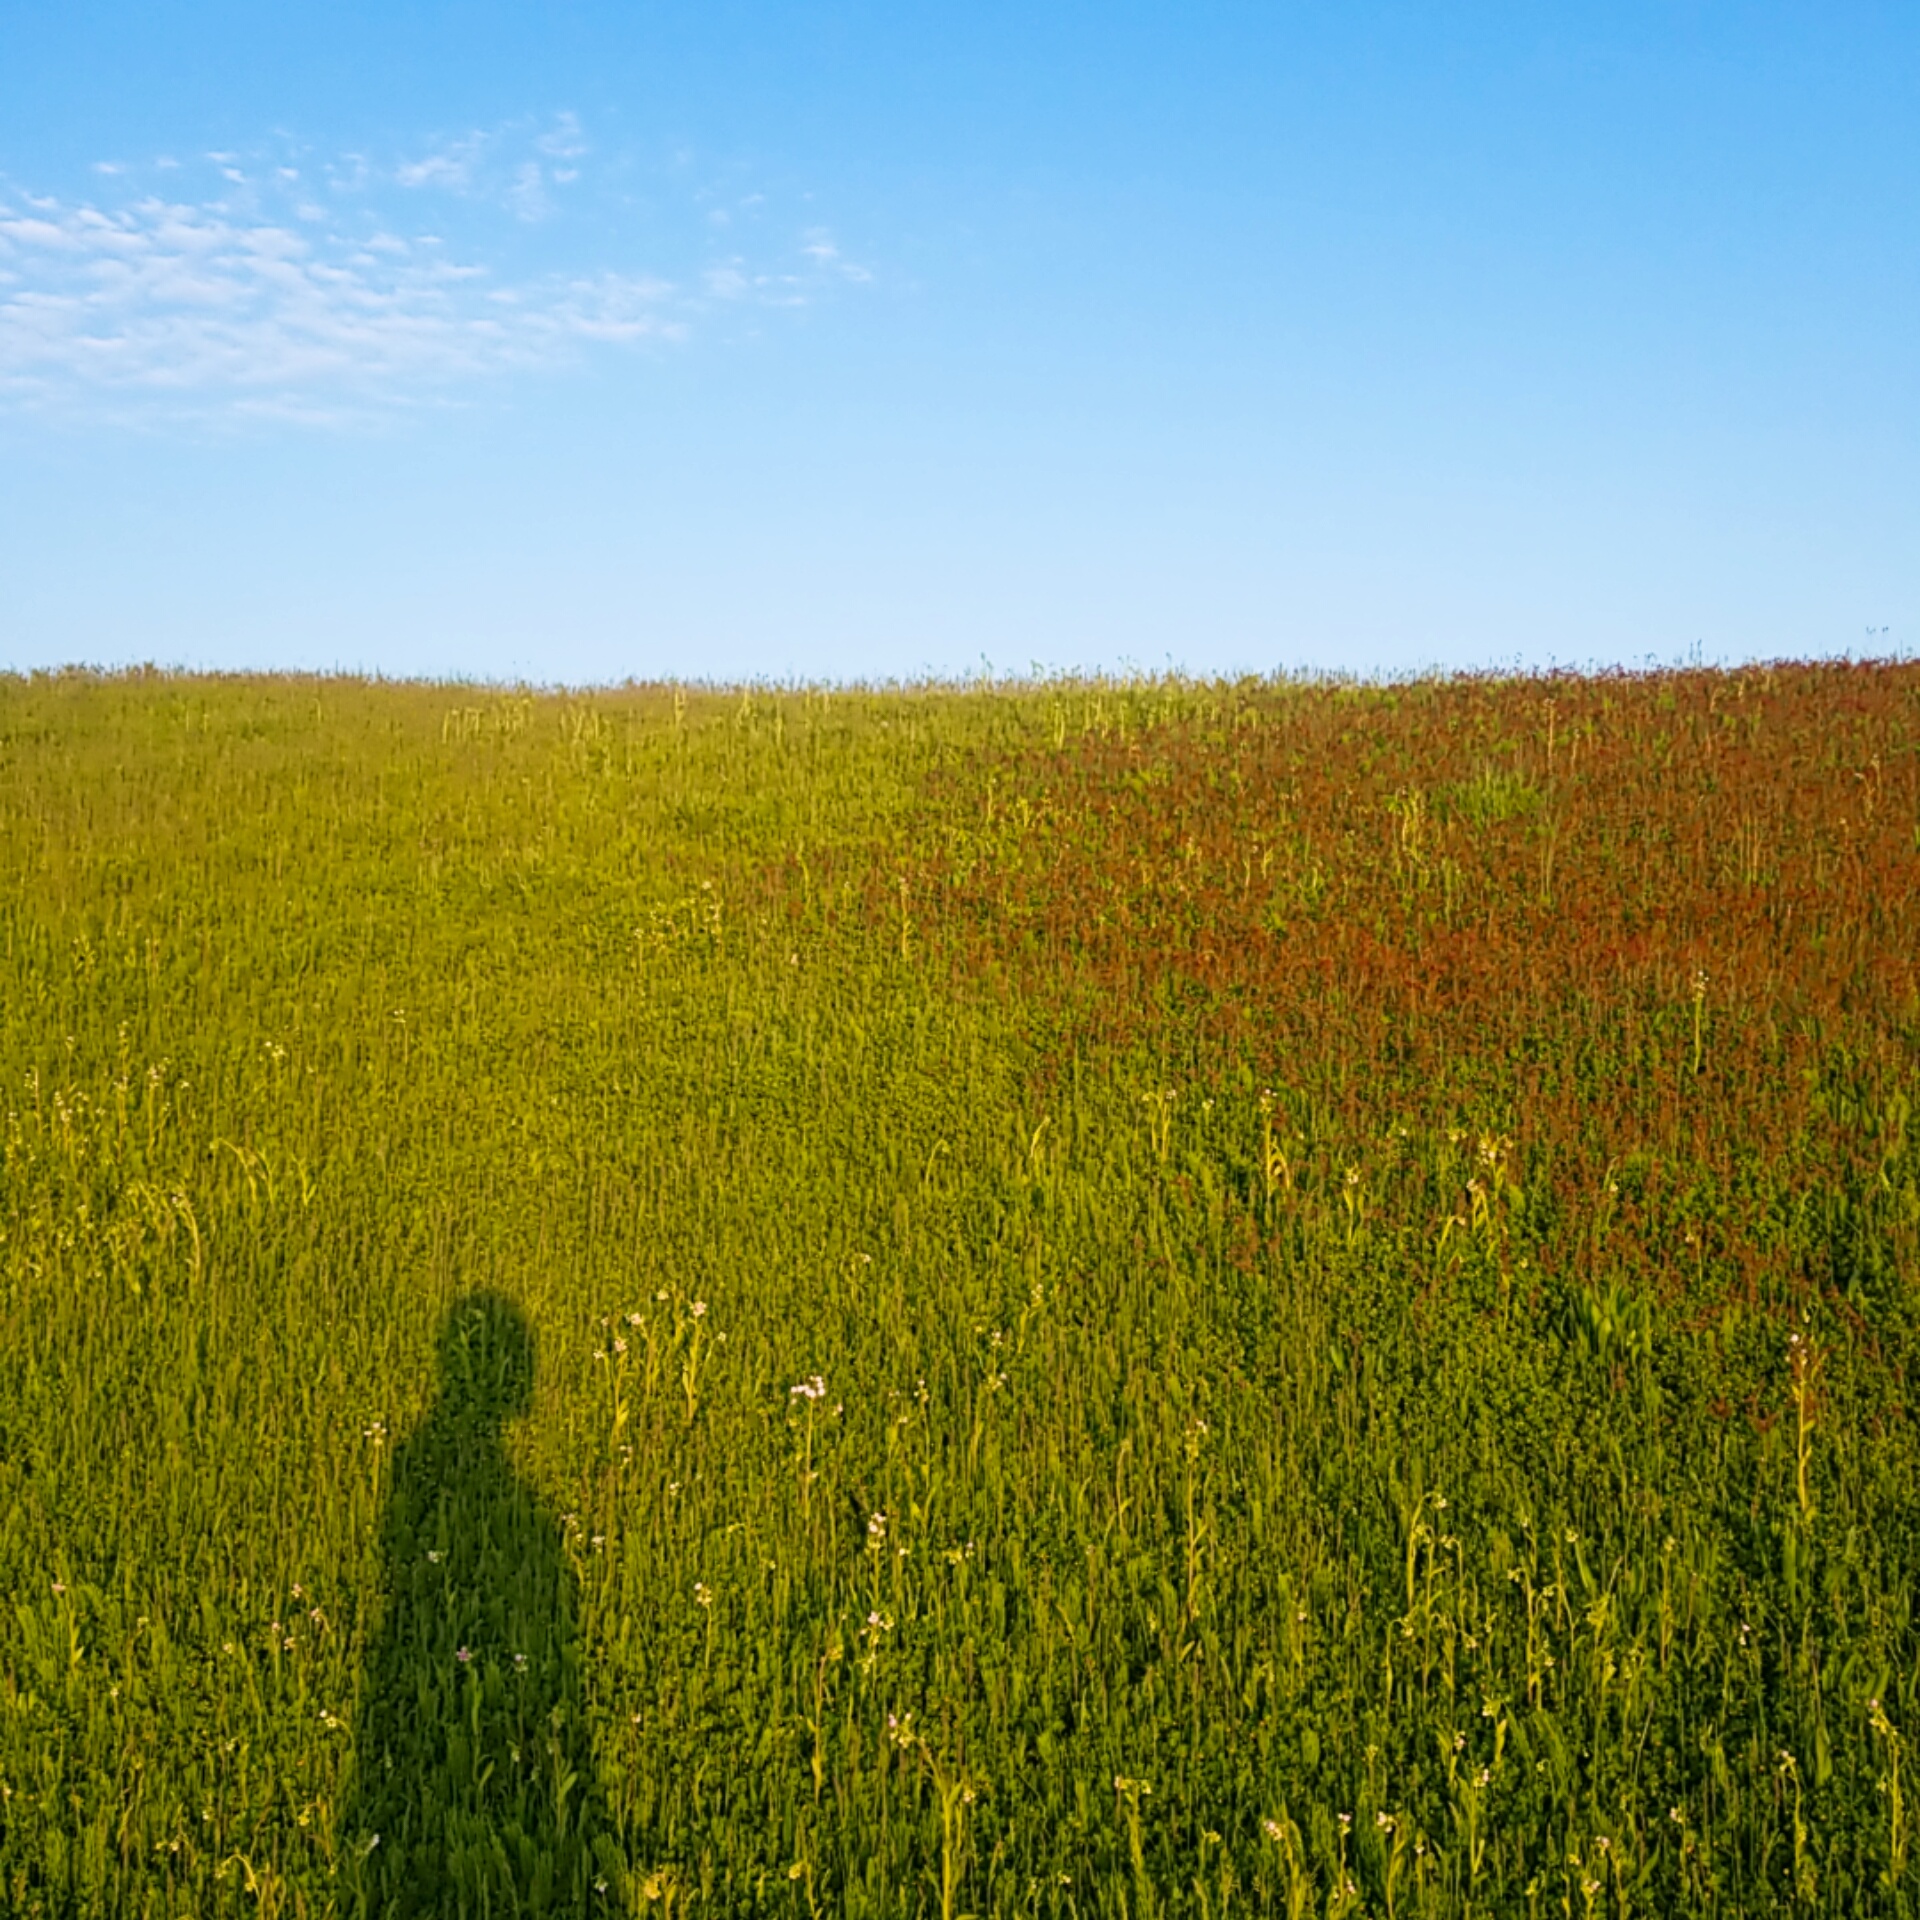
{"points": [[486, 1360]]}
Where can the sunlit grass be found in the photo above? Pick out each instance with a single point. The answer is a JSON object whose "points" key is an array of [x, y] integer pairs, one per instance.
{"points": [[1070, 1300]]}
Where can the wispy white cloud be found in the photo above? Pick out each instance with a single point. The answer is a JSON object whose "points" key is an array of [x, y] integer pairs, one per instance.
{"points": [[564, 140], [163, 301], [513, 167], [819, 247], [527, 195], [300, 287], [448, 166], [818, 263]]}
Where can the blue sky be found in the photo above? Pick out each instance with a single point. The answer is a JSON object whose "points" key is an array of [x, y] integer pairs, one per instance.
{"points": [[585, 341]]}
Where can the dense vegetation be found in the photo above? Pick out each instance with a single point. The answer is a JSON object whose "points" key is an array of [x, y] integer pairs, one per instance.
{"points": [[1078, 1300]]}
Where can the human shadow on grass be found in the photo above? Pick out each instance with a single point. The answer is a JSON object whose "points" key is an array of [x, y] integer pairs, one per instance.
{"points": [[473, 1788]]}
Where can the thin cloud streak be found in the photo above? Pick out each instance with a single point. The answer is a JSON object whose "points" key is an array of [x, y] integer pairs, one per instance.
{"points": [[165, 298], [264, 299]]}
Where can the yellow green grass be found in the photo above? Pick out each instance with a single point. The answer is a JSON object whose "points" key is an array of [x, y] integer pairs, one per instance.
{"points": [[592, 1321]]}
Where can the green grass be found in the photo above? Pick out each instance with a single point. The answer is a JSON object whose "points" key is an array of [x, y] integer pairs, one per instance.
{"points": [[575, 1300]]}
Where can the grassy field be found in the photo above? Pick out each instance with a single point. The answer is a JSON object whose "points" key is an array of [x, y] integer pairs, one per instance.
{"points": [[1150, 1299]]}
